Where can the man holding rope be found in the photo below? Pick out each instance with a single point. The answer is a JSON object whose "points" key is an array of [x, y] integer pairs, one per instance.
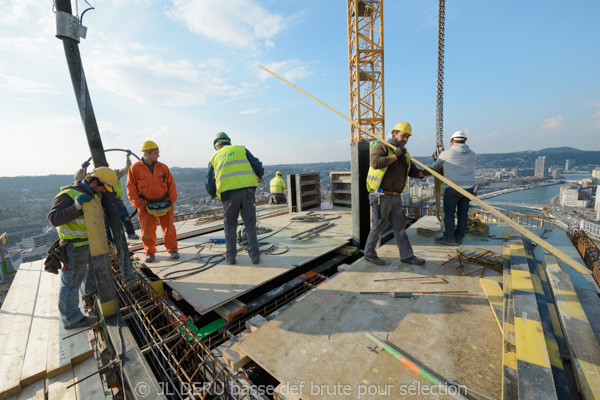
{"points": [[387, 177]]}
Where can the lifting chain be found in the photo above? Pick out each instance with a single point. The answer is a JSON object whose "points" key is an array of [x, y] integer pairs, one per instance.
{"points": [[76, 7], [439, 117]]}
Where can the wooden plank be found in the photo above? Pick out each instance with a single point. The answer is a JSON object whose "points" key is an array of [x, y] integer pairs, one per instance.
{"points": [[34, 391], [583, 347], [58, 359], [11, 305], [34, 364], [495, 297], [57, 387], [235, 357], [510, 383], [92, 388], [533, 362], [11, 363], [231, 310]]}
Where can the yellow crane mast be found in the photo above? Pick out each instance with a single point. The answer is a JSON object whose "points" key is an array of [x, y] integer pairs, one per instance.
{"points": [[365, 61]]}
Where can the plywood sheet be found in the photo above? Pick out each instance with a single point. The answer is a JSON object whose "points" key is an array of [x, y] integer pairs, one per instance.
{"points": [[320, 342], [216, 285]]}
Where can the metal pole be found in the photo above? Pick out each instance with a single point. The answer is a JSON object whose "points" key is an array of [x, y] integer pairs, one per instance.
{"points": [[84, 102]]}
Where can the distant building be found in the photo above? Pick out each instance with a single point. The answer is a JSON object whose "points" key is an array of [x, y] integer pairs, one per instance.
{"points": [[592, 229], [540, 167], [13, 261], [568, 197], [596, 173], [569, 164], [556, 173], [520, 173], [597, 209], [41, 240]]}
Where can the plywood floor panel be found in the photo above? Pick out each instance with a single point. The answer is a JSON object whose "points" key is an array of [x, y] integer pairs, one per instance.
{"points": [[320, 342], [221, 283]]}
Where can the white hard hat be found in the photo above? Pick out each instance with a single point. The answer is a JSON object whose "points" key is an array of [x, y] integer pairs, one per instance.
{"points": [[459, 136]]}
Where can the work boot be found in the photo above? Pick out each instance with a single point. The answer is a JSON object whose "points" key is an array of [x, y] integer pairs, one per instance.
{"points": [[82, 323], [256, 260], [375, 260], [444, 242], [174, 255], [150, 258], [133, 236], [413, 260], [230, 260]]}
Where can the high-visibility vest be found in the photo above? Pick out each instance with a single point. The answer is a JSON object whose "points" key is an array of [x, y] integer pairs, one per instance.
{"points": [[75, 229], [232, 169], [118, 189], [277, 185], [375, 176]]}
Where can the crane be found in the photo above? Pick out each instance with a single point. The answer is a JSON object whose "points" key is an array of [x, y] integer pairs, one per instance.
{"points": [[365, 61]]}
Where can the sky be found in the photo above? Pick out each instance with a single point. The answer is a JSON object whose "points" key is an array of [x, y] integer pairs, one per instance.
{"points": [[519, 75]]}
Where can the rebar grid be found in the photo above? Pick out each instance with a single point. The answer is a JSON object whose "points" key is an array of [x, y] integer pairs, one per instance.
{"points": [[181, 362]]}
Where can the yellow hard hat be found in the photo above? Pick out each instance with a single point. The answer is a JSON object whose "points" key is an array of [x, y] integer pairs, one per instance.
{"points": [[149, 145], [404, 127], [278, 173], [107, 177]]}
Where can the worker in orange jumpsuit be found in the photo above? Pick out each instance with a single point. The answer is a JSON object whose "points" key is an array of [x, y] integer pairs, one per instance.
{"points": [[151, 189]]}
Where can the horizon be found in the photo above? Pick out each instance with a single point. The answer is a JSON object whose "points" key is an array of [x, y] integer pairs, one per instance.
{"points": [[181, 71]]}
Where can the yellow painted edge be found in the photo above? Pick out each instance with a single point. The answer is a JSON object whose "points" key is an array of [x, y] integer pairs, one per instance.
{"points": [[531, 344], [158, 286], [495, 297]]}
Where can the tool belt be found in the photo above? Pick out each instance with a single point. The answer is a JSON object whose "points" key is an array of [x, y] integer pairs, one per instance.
{"points": [[57, 254], [158, 207], [389, 192]]}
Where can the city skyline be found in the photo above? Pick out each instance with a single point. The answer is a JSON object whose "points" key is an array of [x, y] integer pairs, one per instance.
{"points": [[178, 72]]}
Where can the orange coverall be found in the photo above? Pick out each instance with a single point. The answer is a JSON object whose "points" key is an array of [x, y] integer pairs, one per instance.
{"points": [[153, 186]]}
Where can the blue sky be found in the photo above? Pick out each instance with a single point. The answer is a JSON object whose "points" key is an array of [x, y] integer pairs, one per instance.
{"points": [[518, 76]]}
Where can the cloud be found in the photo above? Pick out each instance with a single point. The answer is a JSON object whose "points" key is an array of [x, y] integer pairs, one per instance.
{"points": [[140, 73], [595, 126], [19, 85], [235, 23], [552, 124], [485, 137], [14, 12], [291, 70], [250, 111]]}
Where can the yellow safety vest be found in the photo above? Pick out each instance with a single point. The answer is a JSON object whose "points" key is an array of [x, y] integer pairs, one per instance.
{"points": [[375, 176], [75, 229], [277, 185], [118, 190], [232, 169]]}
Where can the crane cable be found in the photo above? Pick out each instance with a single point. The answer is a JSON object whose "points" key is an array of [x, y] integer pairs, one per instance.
{"points": [[523, 231], [439, 115]]}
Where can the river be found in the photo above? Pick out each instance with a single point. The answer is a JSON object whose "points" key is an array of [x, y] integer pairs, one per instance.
{"points": [[537, 195]]}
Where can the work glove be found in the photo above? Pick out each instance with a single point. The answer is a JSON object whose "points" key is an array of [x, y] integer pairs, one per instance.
{"points": [[85, 165], [129, 152], [82, 198], [400, 151], [426, 173]]}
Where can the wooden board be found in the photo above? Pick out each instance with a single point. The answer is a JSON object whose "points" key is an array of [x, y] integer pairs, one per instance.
{"points": [[11, 363], [583, 347], [321, 342], [510, 384], [495, 298], [217, 285]]}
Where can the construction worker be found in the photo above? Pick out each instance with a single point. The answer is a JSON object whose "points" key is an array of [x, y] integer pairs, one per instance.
{"points": [[67, 216], [277, 185], [458, 163], [233, 175], [129, 228], [151, 189], [389, 170]]}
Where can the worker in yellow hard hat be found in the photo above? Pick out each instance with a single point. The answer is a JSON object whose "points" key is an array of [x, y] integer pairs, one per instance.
{"points": [[124, 213], [388, 173], [151, 189], [277, 187], [67, 215]]}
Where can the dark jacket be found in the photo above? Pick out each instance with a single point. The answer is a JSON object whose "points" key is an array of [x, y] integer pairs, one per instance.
{"points": [[63, 209], [394, 179]]}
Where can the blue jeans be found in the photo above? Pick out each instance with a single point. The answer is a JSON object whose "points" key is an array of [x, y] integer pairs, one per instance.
{"points": [[240, 202], [388, 209], [455, 204], [78, 269]]}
